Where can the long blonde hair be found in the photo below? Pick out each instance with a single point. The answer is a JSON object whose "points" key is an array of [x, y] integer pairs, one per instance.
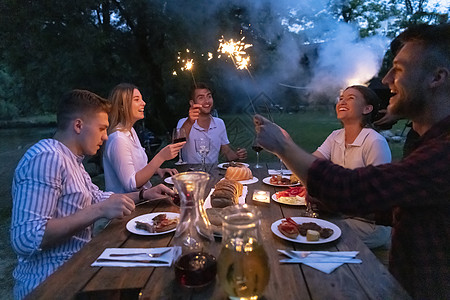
{"points": [[121, 97]]}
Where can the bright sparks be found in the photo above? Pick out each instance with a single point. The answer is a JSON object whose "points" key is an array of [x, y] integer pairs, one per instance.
{"points": [[189, 64], [237, 52]]}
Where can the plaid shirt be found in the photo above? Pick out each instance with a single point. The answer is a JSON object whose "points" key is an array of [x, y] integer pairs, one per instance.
{"points": [[417, 190]]}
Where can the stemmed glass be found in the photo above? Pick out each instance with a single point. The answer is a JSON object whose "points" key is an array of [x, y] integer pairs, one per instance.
{"points": [[257, 148], [281, 167], [179, 135], [309, 212], [202, 148]]}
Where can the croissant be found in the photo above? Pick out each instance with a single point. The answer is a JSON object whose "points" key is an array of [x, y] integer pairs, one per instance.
{"points": [[238, 173]]}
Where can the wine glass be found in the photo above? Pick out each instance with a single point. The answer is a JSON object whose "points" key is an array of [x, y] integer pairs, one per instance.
{"points": [[281, 167], [309, 212], [179, 135], [202, 148], [257, 148]]}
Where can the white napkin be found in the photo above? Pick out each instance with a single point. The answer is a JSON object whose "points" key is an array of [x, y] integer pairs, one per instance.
{"points": [[324, 261], [166, 257], [276, 172]]}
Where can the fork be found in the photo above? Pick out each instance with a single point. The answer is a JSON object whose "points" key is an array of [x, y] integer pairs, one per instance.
{"points": [[141, 253]]}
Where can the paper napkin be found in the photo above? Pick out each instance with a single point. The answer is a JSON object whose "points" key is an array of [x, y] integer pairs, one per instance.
{"points": [[131, 261], [276, 172], [324, 261]]}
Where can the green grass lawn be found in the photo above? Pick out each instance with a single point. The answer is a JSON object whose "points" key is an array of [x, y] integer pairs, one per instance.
{"points": [[308, 129]]}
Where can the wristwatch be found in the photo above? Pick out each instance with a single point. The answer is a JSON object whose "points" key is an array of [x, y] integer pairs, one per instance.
{"points": [[141, 194]]}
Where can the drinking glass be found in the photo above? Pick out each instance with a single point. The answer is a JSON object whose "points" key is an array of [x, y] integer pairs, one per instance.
{"points": [[179, 135], [202, 148], [242, 266], [257, 148], [309, 212], [281, 167]]}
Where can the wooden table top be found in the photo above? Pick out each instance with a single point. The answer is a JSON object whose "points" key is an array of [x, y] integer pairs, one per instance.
{"points": [[76, 279]]}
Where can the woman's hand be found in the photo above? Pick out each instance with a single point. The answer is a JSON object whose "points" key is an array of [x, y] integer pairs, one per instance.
{"points": [[162, 172], [171, 151], [158, 192]]}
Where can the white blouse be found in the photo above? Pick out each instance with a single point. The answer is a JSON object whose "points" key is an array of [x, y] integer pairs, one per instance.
{"points": [[369, 148], [123, 157]]}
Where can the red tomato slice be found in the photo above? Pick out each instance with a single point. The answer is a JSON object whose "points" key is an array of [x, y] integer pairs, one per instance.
{"points": [[289, 220]]}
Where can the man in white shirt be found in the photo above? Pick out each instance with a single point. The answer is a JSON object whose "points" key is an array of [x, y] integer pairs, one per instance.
{"points": [[55, 202], [200, 124]]}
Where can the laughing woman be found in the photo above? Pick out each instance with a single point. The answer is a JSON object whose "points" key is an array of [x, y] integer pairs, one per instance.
{"points": [[356, 145], [124, 159]]}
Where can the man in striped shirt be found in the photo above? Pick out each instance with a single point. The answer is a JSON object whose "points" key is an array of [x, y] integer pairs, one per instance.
{"points": [[55, 202]]}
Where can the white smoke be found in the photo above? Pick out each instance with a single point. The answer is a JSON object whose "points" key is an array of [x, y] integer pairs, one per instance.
{"points": [[346, 59]]}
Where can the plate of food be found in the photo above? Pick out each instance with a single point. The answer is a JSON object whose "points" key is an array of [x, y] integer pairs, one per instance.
{"points": [[232, 164], [249, 181], [168, 180], [306, 230], [292, 196], [283, 181], [154, 223]]}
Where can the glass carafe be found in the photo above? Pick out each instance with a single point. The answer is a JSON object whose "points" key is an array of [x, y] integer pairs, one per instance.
{"points": [[242, 265], [195, 266]]}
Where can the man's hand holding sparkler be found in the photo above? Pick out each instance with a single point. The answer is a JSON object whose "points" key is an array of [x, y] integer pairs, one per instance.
{"points": [[270, 136], [275, 139], [194, 112]]}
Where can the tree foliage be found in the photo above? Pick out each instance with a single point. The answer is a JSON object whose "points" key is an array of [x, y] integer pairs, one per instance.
{"points": [[48, 47]]}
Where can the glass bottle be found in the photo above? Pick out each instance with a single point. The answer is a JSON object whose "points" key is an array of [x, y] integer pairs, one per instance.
{"points": [[195, 266], [243, 267]]}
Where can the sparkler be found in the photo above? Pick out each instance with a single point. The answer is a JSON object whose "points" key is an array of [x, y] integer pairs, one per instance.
{"points": [[188, 65], [237, 52]]}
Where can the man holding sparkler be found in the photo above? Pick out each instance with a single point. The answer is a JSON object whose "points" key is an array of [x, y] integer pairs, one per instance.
{"points": [[201, 124], [416, 189]]}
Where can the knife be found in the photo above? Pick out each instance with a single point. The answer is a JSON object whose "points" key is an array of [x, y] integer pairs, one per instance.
{"points": [[148, 261]]}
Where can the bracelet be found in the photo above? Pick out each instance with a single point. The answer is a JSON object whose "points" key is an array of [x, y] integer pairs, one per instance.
{"points": [[141, 194]]}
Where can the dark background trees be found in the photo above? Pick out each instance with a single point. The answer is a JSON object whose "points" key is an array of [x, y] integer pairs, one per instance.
{"points": [[48, 47]]}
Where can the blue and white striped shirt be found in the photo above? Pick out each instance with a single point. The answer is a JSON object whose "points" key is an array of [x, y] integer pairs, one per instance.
{"points": [[49, 182]]}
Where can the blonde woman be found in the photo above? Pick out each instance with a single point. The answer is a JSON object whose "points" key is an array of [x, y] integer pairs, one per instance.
{"points": [[124, 159]]}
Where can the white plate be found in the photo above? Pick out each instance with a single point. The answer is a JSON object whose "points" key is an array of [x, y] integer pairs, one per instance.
{"points": [[249, 181], [241, 199], [267, 181], [300, 201], [131, 225], [302, 239], [168, 180], [225, 163]]}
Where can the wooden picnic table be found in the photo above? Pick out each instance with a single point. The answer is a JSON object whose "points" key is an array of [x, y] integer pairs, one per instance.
{"points": [[77, 279]]}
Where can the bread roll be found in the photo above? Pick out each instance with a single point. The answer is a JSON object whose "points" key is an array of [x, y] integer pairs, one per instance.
{"points": [[238, 173], [226, 193], [214, 216]]}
